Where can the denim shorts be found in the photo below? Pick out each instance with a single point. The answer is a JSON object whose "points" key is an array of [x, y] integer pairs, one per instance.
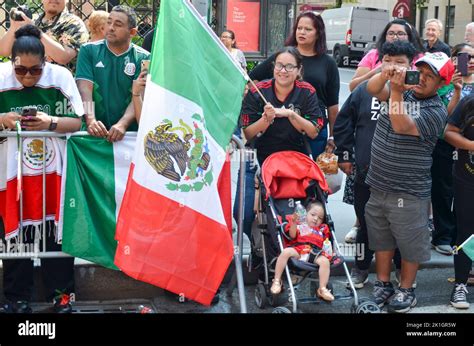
{"points": [[399, 220]]}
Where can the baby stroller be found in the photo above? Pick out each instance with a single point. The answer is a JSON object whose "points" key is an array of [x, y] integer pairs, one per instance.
{"points": [[285, 178]]}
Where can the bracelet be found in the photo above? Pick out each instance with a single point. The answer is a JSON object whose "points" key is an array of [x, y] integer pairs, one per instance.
{"points": [[136, 94], [330, 138]]}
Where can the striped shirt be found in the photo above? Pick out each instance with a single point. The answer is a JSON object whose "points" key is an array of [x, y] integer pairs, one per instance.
{"points": [[402, 163]]}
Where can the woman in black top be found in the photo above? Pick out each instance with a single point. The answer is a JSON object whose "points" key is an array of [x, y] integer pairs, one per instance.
{"points": [[292, 109], [460, 134], [320, 70]]}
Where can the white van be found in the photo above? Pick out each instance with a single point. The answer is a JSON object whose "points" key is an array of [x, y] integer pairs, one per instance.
{"points": [[350, 31]]}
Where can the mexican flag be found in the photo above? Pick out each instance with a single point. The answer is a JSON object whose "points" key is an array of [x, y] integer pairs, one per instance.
{"points": [[92, 192], [34, 151], [173, 229]]}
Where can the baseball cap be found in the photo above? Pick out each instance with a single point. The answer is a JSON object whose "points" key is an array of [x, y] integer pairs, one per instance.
{"points": [[440, 63]]}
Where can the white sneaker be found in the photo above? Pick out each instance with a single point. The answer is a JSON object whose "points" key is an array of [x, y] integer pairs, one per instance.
{"points": [[351, 235]]}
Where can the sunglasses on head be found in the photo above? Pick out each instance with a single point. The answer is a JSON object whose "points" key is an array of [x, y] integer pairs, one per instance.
{"points": [[34, 71]]}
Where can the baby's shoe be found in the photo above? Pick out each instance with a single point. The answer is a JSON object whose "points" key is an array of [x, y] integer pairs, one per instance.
{"points": [[276, 286], [325, 294]]}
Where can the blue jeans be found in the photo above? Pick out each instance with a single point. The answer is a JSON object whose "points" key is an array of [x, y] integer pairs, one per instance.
{"points": [[319, 143], [249, 196]]}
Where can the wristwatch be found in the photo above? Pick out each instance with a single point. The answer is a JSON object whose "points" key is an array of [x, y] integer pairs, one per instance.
{"points": [[54, 123]]}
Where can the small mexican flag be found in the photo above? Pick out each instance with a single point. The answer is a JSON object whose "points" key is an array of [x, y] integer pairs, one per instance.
{"points": [[468, 247], [173, 229], [92, 192]]}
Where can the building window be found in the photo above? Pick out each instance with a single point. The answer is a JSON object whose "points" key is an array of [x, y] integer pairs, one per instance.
{"points": [[450, 11], [423, 18], [436, 12]]}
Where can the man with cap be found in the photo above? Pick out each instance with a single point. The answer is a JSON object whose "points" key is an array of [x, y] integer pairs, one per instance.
{"points": [[399, 172]]}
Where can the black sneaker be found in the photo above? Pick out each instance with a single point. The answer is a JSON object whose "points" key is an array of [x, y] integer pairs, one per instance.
{"points": [[458, 297], [403, 300], [382, 292], [19, 307]]}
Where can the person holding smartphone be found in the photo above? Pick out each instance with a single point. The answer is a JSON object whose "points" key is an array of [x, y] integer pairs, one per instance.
{"points": [[41, 96], [442, 192]]}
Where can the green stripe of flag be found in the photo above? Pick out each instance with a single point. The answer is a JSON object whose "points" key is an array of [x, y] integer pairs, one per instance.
{"points": [[89, 202]]}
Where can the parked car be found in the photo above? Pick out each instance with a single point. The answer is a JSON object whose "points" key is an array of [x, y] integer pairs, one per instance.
{"points": [[351, 31]]}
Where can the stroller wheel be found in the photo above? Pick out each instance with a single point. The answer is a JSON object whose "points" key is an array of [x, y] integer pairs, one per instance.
{"points": [[260, 295], [281, 310], [276, 300], [365, 307]]}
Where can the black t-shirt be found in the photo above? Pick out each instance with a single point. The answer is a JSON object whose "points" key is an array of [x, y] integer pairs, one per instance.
{"points": [[464, 165], [281, 135], [319, 70], [439, 46]]}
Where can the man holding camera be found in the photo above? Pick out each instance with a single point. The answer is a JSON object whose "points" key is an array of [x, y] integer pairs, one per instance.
{"points": [[399, 172], [63, 32]]}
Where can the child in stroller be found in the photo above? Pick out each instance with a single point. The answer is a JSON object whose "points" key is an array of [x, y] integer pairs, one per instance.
{"points": [[306, 245]]}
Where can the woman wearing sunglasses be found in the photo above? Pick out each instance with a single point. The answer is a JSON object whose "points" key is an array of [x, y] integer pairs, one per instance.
{"points": [[38, 96], [292, 108], [30, 81]]}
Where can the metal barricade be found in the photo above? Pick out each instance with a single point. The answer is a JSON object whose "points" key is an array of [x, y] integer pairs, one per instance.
{"points": [[37, 253]]}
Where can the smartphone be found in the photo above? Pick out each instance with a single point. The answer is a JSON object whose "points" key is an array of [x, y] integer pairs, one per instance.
{"points": [[29, 111], [412, 78], [145, 65], [463, 62]]}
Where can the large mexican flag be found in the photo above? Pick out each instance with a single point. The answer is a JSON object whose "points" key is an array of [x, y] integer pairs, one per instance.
{"points": [[173, 229]]}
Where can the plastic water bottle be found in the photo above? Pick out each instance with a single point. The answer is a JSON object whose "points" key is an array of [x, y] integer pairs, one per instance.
{"points": [[327, 247], [300, 212]]}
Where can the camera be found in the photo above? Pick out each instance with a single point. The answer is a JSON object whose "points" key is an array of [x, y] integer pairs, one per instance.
{"points": [[14, 15], [412, 77]]}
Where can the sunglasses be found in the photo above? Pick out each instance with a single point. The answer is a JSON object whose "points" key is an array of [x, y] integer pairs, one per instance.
{"points": [[34, 71]]}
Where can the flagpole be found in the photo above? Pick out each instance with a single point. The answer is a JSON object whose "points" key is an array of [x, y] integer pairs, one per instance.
{"points": [[258, 90], [464, 243]]}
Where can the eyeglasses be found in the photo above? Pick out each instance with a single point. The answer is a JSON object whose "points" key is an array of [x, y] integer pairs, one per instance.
{"points": [[288, 67], [34, 71], [229, 37], [398, 34]]}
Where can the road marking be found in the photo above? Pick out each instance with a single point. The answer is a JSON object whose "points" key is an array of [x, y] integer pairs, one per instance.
{"points": [[346, 69], [344, 83]]}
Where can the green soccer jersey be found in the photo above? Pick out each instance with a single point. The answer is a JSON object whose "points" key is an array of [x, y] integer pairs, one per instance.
{"points": [[112, 76], [55, 93]]}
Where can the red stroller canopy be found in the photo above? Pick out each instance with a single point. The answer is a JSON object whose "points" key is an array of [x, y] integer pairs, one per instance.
{"points": [[287, 174]]}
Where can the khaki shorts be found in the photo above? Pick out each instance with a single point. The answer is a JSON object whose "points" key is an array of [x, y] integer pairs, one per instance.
{"points": [[399, 220]]}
